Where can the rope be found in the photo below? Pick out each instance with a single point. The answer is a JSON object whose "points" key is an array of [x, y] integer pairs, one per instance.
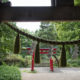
{"points": [[40, 39]]}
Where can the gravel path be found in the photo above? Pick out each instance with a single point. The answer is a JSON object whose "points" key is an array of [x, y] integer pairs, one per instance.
{"points": [[43, 73]]}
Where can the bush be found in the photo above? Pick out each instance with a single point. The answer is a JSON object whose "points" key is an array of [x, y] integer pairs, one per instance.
{"points": [[74, 63], [9, 73], [2, 56], [16, 60]]}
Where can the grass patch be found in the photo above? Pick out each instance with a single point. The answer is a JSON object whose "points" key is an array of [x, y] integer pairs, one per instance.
{"points": [[24, 70], [73, 63], [9, 73], [30, 71]]}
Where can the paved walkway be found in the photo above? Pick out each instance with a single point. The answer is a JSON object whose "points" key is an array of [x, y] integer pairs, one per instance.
{"points": [[43, 73]]}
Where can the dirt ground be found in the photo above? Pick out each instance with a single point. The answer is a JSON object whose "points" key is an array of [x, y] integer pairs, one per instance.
{"points": [[44, 73]]}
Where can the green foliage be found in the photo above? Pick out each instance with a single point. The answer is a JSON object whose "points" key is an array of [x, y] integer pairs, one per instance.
{"points": [[2, 56], [67, 30], [6, 39], [73, 63], [17, 44], [4, 1], [25, 42], [60, 31], [37, 54], [32, 71], [16, 60], [77, 2], [47, 31], [9, 73], [7, 36]]}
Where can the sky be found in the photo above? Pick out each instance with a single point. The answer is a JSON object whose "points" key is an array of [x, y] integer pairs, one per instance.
{"points": [[31, 26]]}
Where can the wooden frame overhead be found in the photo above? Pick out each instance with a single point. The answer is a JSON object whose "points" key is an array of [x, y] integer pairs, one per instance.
{"points": [[39, 13], [61, 10]]}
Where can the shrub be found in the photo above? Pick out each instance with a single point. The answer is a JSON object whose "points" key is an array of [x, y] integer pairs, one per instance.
{"points": [[9, 73], [2, 56], [74, 63], [16, 60]]}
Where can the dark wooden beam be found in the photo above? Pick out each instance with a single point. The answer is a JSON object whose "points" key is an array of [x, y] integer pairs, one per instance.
{"points": [[39, 13], [53, 4], [64, 2]]}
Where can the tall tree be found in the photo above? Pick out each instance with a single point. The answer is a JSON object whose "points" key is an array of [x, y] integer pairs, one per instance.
{"points": [[47, 31], [68, 30]]}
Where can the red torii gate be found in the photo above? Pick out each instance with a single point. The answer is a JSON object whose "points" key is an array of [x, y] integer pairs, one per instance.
{"points": [[43, 51]]}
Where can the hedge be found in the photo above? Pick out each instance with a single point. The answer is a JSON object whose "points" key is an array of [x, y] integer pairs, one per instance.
{"points": [[9, 73]]}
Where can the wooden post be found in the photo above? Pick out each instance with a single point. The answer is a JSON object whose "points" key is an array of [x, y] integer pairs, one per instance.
{"points": [[32, 66], [53, 3], [51, 64], [63, 2]]}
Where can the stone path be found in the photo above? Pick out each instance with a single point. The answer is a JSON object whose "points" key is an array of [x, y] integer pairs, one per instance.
{"points": [[43, 73]]}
